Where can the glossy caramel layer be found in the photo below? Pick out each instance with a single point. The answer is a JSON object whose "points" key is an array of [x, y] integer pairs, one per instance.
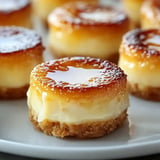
{"points": [[109, 75], [71, 31], [150, 13]]}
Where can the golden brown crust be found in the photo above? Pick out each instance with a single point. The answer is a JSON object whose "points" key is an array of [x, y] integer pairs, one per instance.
{"points": [[112, 80], [148, 93], [85, 130], [13, 93]]}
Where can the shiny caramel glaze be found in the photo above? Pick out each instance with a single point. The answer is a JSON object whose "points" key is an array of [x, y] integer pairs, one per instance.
{"points": [[15, 39], [136, 43], [83, 14], [112, 79], [15, 12]]}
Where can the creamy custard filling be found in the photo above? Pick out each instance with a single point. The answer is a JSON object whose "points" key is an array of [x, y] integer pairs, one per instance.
{"points": [[56, 109], [69, 44], [137, 75]]}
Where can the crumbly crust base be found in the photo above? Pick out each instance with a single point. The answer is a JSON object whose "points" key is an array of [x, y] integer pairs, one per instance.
{"points": [[84, 130], [13, 93], [148, 93]]}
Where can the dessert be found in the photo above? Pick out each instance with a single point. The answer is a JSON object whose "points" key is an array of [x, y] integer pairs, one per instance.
{"points": [[150, 13], [15, 12], [139, 58], [133, 7], [20, 50], [42, 8], [77, 96], [81, 29]]}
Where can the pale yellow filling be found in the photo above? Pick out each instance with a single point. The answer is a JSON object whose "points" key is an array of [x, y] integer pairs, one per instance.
{"points": [[15, 76], [54, 108], [71, 44], [137, 73]]}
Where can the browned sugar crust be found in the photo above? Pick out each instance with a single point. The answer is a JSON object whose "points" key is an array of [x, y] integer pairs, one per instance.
{"points": [[13, 93], [86, 130], [134, 42], [71, 13], [148, 93]]}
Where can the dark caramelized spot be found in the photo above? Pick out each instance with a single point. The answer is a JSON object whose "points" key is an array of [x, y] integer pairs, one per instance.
{"points": [[144, 42], [7, 6], [86, 14], [107, 72], [156, 3], [17, 39]]}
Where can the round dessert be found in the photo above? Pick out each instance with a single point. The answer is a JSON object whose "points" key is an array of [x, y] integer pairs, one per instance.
{"points": [[20, 50], [150, 13], [132, 7], [140, 60], [79, 97], [81, 29], [42, 8], [15, 12]]}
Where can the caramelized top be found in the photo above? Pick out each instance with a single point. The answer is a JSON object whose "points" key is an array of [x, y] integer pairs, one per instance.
{"points": [[144, 42], [77, 73], [16, 39], [7, 6], [86, 14]]}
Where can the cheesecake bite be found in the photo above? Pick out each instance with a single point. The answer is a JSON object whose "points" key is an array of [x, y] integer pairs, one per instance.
{"points": [[15, 12], [81, 29], [139, 58], [20, 50], [77, 97]]}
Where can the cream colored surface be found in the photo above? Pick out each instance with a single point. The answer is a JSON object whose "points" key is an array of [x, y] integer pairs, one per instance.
{"points": [[137, 73], [16, 76], [69, 43], [57, 109]]}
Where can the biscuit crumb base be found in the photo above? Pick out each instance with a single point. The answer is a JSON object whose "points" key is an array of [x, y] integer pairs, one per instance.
{"points": [[85, 130], [148, 93]]}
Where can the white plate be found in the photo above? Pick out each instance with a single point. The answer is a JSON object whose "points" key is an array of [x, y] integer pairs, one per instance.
{"points": [[139, 136]]}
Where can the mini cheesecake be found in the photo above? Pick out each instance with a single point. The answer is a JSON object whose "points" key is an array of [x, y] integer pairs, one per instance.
{"points": [[20, 50], [140, 60], [15, 12], [133, 7], [150, 13], [81, 29], [77, 97]]}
